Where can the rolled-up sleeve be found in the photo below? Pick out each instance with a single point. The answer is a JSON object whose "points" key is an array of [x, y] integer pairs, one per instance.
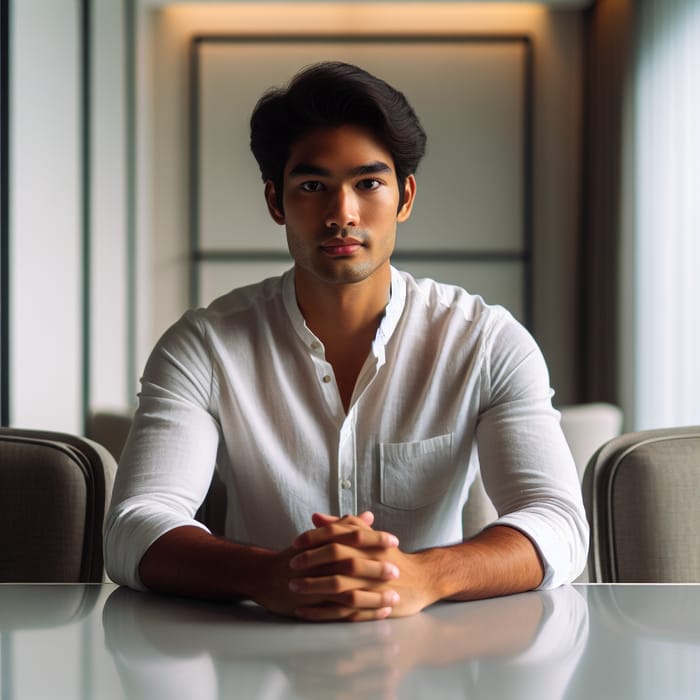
{"points": [[527, 467], [170, 455]]}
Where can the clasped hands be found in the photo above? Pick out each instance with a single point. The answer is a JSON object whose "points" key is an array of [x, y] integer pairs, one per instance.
{"points": [[343, 569]]}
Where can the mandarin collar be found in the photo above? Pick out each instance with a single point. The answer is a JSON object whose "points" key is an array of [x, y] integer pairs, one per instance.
{"points": [[387, 326]]}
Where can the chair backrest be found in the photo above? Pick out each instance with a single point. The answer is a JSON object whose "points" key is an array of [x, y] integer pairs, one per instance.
{"points": [[109, 429], [54, 492], [641, 492], [587, 426]]}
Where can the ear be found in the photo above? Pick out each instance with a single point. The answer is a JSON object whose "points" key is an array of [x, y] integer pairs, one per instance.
{"points": [[271, 200], [409, 196]]}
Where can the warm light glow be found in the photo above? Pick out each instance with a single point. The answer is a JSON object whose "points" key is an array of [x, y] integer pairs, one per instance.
{"points": [[350, 18]]}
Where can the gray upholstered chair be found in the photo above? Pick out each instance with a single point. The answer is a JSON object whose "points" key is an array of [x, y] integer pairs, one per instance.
{"points": [[54, 492], [641, 492], [109, 429], [586, 426]]}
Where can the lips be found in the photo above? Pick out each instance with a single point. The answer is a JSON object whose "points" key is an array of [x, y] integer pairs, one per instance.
{"points": [[339, 247]]}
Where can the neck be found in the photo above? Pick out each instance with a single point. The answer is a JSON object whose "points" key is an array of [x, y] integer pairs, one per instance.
{"points": [[343, 313], [345, 318]]}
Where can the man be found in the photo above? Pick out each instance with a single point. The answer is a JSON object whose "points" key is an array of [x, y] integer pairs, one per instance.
{"points": [[346, 405]]}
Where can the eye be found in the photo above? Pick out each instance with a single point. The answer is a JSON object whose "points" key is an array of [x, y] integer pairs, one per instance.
{"points": [[369, 184], [311, 186]]}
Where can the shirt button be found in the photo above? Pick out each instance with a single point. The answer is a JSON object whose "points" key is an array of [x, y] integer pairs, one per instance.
{"points": [[345, 483], [326, 378]]}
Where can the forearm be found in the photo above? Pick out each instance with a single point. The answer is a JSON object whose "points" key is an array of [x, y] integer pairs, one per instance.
{"points": [[499, 561], [191, 562]]}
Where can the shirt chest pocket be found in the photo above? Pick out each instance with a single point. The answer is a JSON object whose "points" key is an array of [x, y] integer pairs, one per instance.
{"points": [[415, 474]]}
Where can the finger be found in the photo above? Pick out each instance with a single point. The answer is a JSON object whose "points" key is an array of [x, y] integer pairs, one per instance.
{"points": [[367, 516], [337, 551], [335, 613], [356, 592], [331, 591], [322, 519], [346, 533], [347, 522], [355, 567], [319, 556]]}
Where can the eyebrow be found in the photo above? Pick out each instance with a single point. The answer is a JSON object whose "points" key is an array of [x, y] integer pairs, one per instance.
{"points": [[368, 169]]}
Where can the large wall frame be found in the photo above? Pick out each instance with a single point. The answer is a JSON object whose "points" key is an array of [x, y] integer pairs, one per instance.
{"points": [[200, 255]]}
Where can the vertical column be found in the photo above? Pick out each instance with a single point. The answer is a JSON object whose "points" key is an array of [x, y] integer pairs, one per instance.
{"points": [[110, 383], [45, 216]]}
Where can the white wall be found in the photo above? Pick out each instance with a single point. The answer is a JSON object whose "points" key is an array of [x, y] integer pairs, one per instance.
{"points": [[48, 328], [45, 223]]}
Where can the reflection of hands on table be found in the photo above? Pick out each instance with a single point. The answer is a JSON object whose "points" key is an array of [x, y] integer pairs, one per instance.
{"points": [[145, 632]]}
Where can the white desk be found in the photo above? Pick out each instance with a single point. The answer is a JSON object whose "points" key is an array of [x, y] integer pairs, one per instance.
{"points": [[577, 642]]}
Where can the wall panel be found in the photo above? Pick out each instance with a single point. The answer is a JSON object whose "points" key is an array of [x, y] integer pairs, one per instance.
{"points": [[472, 213]]}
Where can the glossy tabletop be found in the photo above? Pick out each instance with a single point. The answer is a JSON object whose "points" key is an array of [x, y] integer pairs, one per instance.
{"points": [[583, 641]]}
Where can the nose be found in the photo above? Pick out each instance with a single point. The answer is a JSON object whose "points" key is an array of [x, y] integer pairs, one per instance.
{"points": [[343, 210]]}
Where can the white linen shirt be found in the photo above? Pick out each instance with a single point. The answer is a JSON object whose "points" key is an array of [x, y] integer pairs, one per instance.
{"points": [[451, 385]]}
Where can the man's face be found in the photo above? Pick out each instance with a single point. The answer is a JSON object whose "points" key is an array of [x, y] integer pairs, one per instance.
{"points": [[341, 202]]}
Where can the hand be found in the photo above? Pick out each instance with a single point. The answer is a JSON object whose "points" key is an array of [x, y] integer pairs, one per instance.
{"points": [[376, 565], [340, 558]]}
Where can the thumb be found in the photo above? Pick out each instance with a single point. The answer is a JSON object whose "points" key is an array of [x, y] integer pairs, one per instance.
{"points": [[321, 519]]}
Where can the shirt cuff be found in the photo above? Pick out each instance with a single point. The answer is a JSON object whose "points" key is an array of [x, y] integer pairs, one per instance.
{"points": [[563, 556], [128, 534]]}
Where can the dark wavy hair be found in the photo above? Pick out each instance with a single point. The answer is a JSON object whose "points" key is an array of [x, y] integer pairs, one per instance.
{"points": [[333, 94]]}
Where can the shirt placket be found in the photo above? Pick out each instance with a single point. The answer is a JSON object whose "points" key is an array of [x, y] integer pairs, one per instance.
{"points": [[326, 379], [346, 458], [345, 462], [347, 466]]}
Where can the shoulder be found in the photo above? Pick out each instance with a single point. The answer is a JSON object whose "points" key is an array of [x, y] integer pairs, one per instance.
{"points": [[242, 300], [439, 299], [467, 320], [241, 309]]}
